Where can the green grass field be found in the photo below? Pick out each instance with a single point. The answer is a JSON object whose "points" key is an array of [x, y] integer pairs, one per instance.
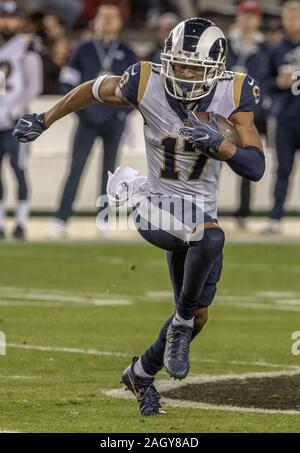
{"points": [[74, 315]]}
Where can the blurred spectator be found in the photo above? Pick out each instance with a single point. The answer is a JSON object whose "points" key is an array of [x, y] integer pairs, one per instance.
{"points": [[56, 58], [149, 11], [34, 24], [22, 68], [70, 10], [283, 63], [54, 47], [54, 27], [90, 8], [105, 54], [247, 53], [165, 24], [187, 8], [159, 7], [274, 32], [226, 7]]}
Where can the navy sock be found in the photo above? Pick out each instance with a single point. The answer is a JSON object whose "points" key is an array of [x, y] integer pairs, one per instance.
{"points": [[152, 359]]}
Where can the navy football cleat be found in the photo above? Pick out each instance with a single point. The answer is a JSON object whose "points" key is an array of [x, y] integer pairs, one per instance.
{"points": [[143, 389], [176, 355]]}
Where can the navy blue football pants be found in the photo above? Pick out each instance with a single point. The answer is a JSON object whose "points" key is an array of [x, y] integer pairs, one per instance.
{"points": [[85, 137], [17, 154], [287, 143]]}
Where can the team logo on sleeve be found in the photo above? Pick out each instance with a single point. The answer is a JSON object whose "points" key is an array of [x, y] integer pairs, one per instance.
{"points": [[256, 94], [124, 79]]}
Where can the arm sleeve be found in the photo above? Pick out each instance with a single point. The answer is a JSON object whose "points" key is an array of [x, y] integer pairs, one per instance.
{"points": [[248, 162]]}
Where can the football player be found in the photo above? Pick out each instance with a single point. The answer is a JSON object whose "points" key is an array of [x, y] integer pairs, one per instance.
{"points": [[21, 67], [181, 161]]}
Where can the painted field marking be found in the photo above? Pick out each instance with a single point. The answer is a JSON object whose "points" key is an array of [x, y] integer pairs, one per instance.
{"points": [[99, 302], [259, 306], [21, 303], [15, 377], [264, 267], [246, 363], [123, 354], [158, 295], [166, 385], [67, 350], [243, 301], [21, 296], [13, 290], [275, 294]]}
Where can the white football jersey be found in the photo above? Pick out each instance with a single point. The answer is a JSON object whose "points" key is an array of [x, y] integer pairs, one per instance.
{"points": [[174, 167], [21, 82]]}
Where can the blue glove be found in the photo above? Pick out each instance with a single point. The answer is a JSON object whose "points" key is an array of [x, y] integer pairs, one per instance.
{"points": [[205, 137], [30, 126]]}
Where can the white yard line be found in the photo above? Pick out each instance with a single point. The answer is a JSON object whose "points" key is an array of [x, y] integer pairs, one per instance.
{"points": [[166, 385], [67, 350], [263, 267], [285, 301], [277, 294], [15, 377], [98, 302], [121, 394], [26, 297], [259, 306], [158, 295], [122, 354], [216, 407], [246, 363], [47, 291], [21, 303], [233, 300]]}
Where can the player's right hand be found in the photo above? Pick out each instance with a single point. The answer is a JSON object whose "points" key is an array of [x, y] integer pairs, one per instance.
{"points": [[30, 126]]}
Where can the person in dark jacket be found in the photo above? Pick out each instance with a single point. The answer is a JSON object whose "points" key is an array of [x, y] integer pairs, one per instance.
{"points": [[282, 82], [247, 53], [105, 54], [165, 24]]}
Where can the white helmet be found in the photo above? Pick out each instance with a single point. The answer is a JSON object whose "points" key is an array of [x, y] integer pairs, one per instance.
{"points": [[194, 42]]}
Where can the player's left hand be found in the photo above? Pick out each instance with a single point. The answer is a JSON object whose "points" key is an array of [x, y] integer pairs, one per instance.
{"points": [[206, 137]]}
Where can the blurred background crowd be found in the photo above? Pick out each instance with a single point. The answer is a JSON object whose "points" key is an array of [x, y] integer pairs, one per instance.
{"points": [[77, 40], [60, 26]]}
